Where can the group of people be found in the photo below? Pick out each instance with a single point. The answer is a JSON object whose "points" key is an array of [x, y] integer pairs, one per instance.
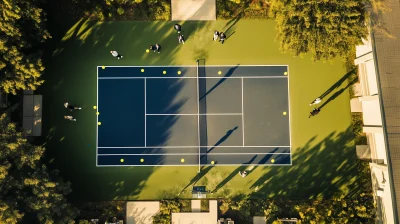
{"points": [[181, 39], [71, 108], [315, 111]]}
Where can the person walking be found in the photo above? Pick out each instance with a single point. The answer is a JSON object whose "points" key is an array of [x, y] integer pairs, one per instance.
{"points": [[178, 28], [69, 118], [181, 39], [216, 35], [158, 48], [71, 107], [115, 54], [316, 101], [243, 174], [222, 37], [314, 112]]}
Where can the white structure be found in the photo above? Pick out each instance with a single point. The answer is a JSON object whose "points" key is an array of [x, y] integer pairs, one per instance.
{"points": [[141, 212], [197, 217], [368, 103]]}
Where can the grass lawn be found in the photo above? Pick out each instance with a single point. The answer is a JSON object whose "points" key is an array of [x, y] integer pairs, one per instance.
{"points": [[324, 156]]}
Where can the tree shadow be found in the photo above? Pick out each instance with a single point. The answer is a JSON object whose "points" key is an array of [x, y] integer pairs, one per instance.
{"points": [[320, 169], [228, 74], [233, 174]]}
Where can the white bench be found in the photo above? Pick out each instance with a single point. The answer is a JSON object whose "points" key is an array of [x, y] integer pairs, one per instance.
{"points": [[32, 114]]}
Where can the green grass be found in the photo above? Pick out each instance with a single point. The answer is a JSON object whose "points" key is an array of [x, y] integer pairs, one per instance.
{"points": [[324, 159]]}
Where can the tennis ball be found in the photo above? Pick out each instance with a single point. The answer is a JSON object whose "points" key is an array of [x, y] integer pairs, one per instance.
{"points": [[164, 72], [285, 73], [94, 107], [141, 160], [98, 113], [272, 160], [122, 160], [212, 162], [142, 70], [284, 113], [103, 67], [147, 50], [99, 123], [219, 72], [179, 72], [182, 160]]}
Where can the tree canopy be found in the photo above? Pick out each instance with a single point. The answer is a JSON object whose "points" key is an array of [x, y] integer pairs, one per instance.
{"points": [[26, 185], [324, 28], [21, 30]]}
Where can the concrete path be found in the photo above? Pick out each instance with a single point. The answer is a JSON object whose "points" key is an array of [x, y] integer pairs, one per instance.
{"points": [[193, 10]]}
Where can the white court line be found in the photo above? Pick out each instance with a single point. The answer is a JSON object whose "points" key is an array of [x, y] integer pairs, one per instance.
{"points": [[226, 114], [198, 114], [233, 164], [195, 146], [97, 117], [145, 112], [290, 129], [194, 154], [174, 66], [242, 115], [190, 77]]}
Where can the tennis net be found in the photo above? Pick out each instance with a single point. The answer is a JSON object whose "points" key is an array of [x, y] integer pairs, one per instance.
{"points": [[202, 110]]}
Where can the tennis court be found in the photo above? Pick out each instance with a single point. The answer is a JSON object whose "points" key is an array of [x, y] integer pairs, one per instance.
{"points": [[193, 115]]}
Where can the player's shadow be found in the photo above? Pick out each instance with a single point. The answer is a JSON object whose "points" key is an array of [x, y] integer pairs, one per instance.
{"points": [[224, 138], [231, 25], [234, 173], [262, 161], [228, 74], [337, 93], [337, 84]]}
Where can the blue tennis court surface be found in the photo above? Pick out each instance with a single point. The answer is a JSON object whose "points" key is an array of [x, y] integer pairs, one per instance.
{"points": [[193, 116]]}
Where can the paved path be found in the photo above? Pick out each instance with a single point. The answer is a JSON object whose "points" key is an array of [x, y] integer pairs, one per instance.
{"points": [[193, 10]]}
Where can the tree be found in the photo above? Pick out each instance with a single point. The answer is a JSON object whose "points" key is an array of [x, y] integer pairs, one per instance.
{"points": [[26, 185], [324, 28], [21, 30]]}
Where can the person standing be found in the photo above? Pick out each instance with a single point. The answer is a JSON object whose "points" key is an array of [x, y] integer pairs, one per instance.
{"points": [[71, 107], [222, 37], [178, 28], [314, 112], [216, 35], [153, 48], [158, 48], [181, 39], [316, 101], [115, 54], [69, 118]]}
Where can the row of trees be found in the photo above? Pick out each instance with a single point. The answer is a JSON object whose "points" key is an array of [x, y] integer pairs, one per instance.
{"points": [[27, 187]]}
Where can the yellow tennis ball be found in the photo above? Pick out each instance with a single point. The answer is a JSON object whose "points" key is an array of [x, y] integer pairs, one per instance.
{"points": [[182, 160], [94, 107], [272, 160], [122, 160], [284, 113], [179, 72], [103, 67], [99, 123], [285, 73], [141, 160], [142, 70], [212, 162], [98, 113], [164, 72], [147, 50], [219, 72]]}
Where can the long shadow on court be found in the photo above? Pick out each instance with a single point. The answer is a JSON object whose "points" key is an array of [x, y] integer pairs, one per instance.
{"points": [[228, 74], [225, 137], [234, 173], [265, 159], [337, 93], [337, 84]]}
